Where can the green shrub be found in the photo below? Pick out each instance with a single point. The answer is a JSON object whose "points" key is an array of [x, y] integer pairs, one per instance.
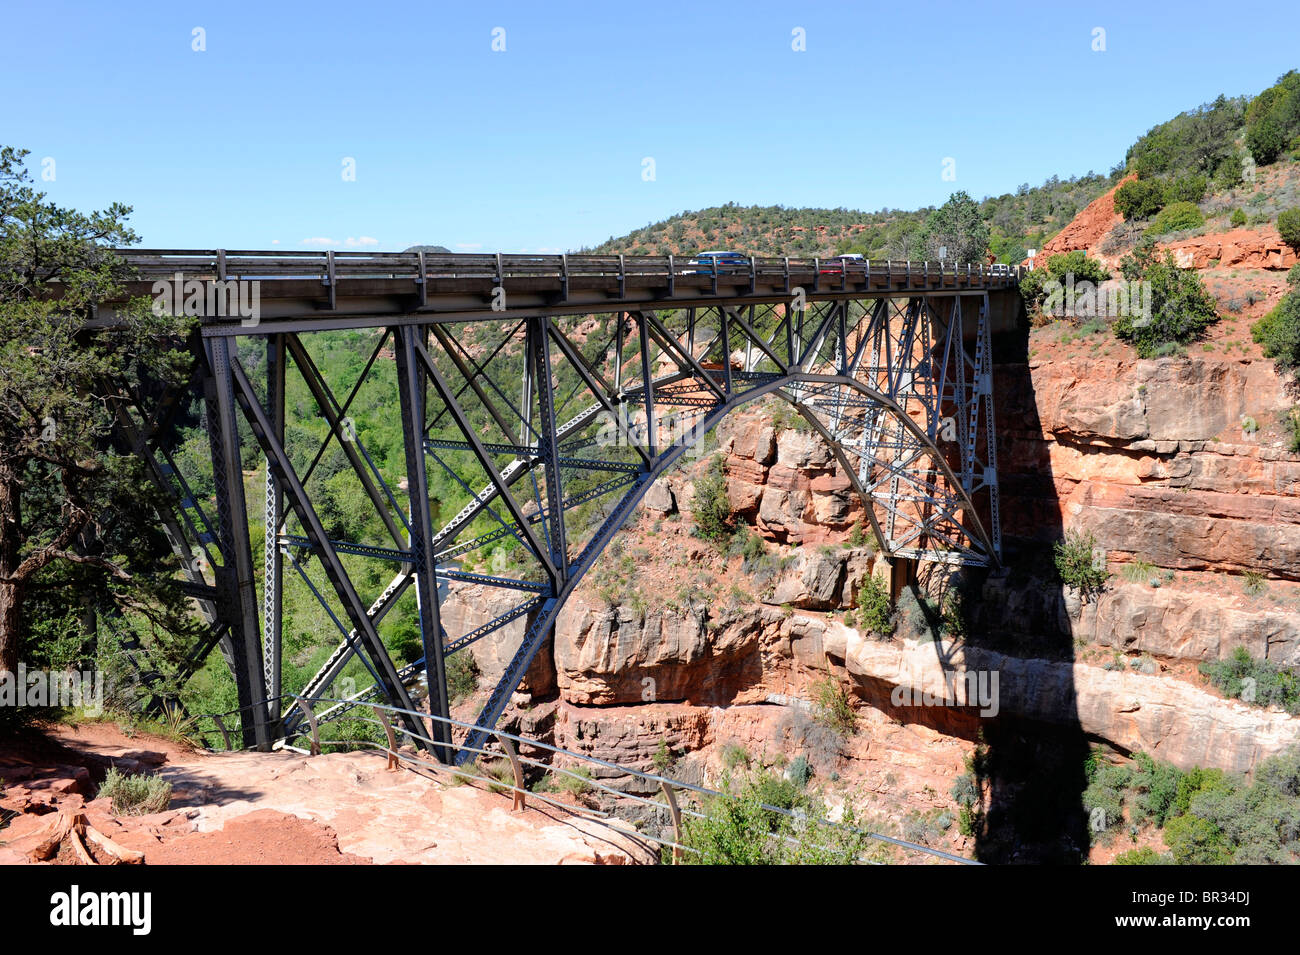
{"points": [[952, 613], [1193, 782], [1060, 268], [799, 771], [1156, 785], [1209, 817], [1140, 199], [734, 755], [1138, 571], [1185, 189], [1261, 682], [831, 707], [737, 829], [462, 675], [575, 780], [858, 536], [136, 795], [710, 506], [1076, 563], [926, 827], [1143, 856], [1278, 332], [1232, 821], [873, 604], [663, 758], [1238, 218], [966, 793], [1197, 841], [1103, 799], [1177, 217], [1229, 172], [1181, 308], [1288, 224]]}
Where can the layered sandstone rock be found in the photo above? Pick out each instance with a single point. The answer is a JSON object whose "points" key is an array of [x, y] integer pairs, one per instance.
{"points": [[1130, 450], [1169, 719], [1243, 248], [1168, 624]]}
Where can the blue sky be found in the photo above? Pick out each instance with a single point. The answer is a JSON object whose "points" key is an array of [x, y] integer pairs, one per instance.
{"points": [[541, 147]]}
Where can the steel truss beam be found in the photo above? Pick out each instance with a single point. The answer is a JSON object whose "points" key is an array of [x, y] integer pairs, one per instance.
{"points": [[900, 387]]}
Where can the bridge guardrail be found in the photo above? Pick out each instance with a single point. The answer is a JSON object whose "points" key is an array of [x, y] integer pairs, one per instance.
{"points": [[331, 265]]}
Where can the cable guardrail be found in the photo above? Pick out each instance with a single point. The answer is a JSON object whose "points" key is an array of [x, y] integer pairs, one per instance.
{"points": [[510, 745]]}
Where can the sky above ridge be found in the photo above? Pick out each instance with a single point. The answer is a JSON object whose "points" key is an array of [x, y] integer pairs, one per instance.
{"points": [[549, 127]]}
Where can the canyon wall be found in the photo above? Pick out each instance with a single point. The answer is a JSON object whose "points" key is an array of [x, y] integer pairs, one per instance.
{"points": [[1177, 467]]}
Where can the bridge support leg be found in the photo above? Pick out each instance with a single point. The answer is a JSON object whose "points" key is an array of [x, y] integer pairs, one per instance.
{"points": [[410, 385], [236, 576]]}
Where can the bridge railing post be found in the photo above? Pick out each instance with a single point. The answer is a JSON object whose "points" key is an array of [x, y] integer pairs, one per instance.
{"points": [[329, 278]]}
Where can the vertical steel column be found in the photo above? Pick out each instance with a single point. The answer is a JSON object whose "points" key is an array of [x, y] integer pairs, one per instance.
{"points": [[726, 351], [272, 562], [410, 386], [991, 454], [647, 378], [539, 354], [237, 578]]}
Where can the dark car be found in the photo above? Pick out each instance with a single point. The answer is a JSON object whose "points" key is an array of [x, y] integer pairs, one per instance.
{"points": [[713, 263]]}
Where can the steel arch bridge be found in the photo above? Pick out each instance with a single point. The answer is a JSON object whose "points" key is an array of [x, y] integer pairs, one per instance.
{"points": [[549, 392]]}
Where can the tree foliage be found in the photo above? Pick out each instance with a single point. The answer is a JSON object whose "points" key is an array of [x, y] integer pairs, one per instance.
{"points": [[1077, 565], [873, 606], [1261, 682], [1140, 199], [1181, 308], [75, 527], [710, 506], [1177, 217], [1273, 119], [1144, 198], [1278, 332], [1061, 269], [958, 229], [1288, 224], [1195, 141], [739, 828]]}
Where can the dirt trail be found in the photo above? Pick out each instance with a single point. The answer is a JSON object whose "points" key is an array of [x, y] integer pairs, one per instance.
{"points": [[285, 808]]}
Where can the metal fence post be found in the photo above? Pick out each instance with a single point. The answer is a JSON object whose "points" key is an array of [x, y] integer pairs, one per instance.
{"points": [[676, 814], [508, 745], [388, 731], [315, 730], [225, 736]]}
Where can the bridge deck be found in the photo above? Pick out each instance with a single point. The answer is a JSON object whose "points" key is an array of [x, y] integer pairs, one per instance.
{"points": [[310, 291]]}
